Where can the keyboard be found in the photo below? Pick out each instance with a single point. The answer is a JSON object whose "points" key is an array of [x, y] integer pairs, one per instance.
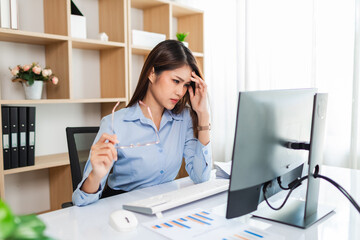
{"points": [[169, 200]]}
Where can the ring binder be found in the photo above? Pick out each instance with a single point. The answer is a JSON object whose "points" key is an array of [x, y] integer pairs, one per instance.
{"points": [[6, 136]]}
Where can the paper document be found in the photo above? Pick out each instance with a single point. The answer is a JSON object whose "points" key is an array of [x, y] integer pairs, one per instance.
{"points": [[223, 169], [240, 232], [202, 224], [188, 225]]}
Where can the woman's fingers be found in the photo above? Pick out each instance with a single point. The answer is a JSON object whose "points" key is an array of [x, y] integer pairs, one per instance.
{"points": [[102, 147], [199, 83], [107, 151], [110, 138]]}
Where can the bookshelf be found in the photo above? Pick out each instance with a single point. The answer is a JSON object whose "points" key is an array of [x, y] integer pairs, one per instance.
{"points": [[115, 66], [167, 18]]}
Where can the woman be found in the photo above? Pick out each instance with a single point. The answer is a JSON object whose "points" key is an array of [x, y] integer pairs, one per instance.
{"points": [[166, 119]]}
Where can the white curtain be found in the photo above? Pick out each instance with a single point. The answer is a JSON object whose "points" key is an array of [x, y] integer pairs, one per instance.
{"points": [[308, 43], [223, 45], [280, 44]]}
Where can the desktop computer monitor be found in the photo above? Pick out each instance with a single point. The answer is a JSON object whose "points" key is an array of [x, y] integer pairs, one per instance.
{"points": [[277, 135]]}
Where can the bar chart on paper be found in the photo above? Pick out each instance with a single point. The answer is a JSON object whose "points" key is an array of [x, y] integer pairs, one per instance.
{"points": [[237, 231], [186, 226]]}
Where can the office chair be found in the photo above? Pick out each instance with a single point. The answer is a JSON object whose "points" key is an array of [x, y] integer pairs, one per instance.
{"points": [[79, 140]]}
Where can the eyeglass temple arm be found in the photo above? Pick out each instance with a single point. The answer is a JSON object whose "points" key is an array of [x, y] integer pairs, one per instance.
{"points": [[112, 115]]}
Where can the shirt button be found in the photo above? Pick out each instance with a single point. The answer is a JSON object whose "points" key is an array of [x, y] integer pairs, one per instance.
{"points": [[160, 150], [161, 171], [206, 152]]}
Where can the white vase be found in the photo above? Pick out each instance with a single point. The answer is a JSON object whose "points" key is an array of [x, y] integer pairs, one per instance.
{"points": [[186, 44], [34, 91]]}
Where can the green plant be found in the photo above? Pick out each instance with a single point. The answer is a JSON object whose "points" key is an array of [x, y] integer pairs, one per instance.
{"points": [[31, 72], [14, 227], [181, 36]]}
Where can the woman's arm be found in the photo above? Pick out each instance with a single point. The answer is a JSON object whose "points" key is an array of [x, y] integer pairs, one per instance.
{"points": [[94, 180], [199, 104], [198, 159], [103, 153]]}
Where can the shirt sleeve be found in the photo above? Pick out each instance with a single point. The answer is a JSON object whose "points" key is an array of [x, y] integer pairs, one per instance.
{"points": [[198, 159], [79, 197]]}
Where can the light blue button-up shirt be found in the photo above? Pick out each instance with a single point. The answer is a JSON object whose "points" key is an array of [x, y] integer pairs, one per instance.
{"points": [[149, 165]]}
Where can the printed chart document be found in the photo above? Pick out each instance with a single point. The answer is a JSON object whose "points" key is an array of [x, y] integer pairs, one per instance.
{"points": [[202, 224], [240, 232]]}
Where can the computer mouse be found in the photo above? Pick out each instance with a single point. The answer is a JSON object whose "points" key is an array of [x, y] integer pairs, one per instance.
{"points": [[123, 220]]}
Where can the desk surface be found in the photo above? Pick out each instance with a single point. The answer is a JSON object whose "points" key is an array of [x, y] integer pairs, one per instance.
{"points": [[91, 222]]}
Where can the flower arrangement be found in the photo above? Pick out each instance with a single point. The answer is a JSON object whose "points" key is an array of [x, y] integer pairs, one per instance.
{"points": [[181, 36], [32, 72]]}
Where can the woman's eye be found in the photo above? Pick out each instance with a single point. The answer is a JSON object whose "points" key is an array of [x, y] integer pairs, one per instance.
{"points": [[176, 81], [186, 85]]}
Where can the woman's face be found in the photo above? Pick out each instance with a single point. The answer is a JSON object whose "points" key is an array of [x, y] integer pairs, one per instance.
{"points": [[170, 86]]}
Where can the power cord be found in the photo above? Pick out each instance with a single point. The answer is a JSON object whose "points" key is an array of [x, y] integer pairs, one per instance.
{"points": [[297, 182], [340, 188], [294, 184]]}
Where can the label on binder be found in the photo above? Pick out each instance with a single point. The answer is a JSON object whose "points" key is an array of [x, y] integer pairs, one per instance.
{"points": [[5, 141], [14, 140], [23, 139], [32, 138]]}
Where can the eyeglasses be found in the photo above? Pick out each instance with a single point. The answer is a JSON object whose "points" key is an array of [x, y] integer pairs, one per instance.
{"points": [[137, 144]]}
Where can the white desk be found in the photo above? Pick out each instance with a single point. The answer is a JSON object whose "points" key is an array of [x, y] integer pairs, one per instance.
{"points": [[91, 222]]}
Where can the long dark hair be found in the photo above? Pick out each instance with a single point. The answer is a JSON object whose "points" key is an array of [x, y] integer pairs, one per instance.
{"points": [[168, 55]]}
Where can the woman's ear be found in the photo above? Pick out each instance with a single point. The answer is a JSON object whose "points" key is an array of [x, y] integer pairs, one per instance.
{"points": [[152, 75]]}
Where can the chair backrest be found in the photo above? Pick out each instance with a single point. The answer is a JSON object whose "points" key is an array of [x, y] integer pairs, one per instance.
{"points": [[79, 141]]}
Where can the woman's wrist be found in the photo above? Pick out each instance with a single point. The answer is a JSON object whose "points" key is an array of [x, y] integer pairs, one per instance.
{"points": [[203, 118], [91, 184], [203, 122]]}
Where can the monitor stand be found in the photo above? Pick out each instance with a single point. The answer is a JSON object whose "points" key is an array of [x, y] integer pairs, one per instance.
{"points": [[300, 213]]}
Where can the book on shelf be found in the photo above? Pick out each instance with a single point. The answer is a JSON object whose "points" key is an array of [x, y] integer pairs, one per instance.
{"points": [[5, 21], [18, 129], [14, 17]]}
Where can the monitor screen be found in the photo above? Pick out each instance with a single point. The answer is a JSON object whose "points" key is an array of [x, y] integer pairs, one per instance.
{"points": [[267, 122]]}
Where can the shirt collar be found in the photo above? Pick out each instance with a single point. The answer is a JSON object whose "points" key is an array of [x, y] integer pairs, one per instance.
{"points": [[134, 113]]}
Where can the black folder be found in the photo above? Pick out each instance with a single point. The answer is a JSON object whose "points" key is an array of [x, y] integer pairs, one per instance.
{"points": [[22, 113], [6, 136], [31, 135], [14, 152]]}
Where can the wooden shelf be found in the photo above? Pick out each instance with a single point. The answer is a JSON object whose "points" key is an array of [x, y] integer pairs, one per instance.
{"points": [[140, 50], [144, 4], [11, 35], [61, 101], [181, 11], [93, 44], [43, 162], [145, 51]]}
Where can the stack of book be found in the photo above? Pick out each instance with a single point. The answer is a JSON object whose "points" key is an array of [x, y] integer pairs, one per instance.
{"points": [[9, 14], [18, 130]]}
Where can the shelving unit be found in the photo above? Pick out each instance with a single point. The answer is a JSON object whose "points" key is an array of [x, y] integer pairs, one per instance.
{"points": [[167, 18], [115, 64], [59, 46]]}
